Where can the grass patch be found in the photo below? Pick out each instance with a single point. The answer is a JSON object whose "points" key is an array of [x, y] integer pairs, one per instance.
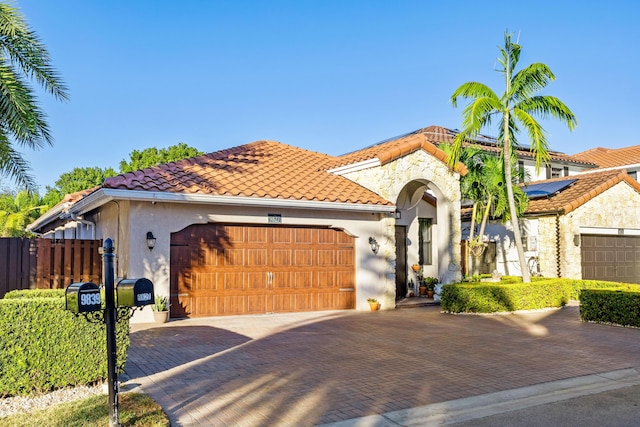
{"points": [[134, 409]]}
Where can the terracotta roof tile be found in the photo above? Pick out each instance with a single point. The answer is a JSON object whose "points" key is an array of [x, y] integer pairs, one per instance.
{"points": [[390, 150], [585, 188], [428, 138], [260, 169], [611, 157]]}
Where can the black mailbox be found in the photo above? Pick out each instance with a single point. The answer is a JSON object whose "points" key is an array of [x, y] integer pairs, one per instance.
{"points": [[83, 297], [135, 292]]}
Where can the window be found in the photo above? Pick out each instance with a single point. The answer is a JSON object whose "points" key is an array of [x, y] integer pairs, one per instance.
{"points": [[565, 171], [554, 173], [426, 246]]}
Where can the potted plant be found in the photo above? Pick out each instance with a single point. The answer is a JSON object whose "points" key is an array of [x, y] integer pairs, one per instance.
{"points": [[430, 284], [160, 309], [422, 289], [373, 304]]}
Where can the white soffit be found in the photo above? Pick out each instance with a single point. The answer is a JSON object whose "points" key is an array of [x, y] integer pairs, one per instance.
{"points": [[105, 195]]}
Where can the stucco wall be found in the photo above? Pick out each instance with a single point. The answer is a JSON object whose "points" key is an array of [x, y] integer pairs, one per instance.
{"points": [[389, 180], [507, 262], [137, 218]]}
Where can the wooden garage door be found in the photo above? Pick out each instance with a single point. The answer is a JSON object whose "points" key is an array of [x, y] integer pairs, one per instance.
{"points": [[228, 269], [612, 258]]}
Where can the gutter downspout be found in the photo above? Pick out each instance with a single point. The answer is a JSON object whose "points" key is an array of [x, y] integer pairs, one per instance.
{"points": [[85, 222], [559, 270]]}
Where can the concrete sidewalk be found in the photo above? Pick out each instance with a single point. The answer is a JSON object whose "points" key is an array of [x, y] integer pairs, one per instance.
{"points": [[608, 399], [307, 369]]}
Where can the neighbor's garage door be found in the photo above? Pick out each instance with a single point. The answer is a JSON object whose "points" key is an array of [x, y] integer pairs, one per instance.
{"points": [[612, 258], [241, 269]]}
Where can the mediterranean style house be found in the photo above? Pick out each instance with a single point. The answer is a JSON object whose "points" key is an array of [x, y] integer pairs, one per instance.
{"points": [[268, 227]]}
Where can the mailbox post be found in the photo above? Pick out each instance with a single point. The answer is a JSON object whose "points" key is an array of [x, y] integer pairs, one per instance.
{"points": [[84, 298], [110, 322]]}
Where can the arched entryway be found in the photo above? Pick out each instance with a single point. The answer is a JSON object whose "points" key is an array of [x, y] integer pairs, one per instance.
{"points": [[421, 232]]}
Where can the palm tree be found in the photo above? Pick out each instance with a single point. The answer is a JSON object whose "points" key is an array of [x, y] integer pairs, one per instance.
{"points": [[23, 57], [18, 211], [483, 185], [515, 108]]}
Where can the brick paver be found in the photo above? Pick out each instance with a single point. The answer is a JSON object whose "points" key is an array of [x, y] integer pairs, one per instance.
{"points": [[304, 369]]}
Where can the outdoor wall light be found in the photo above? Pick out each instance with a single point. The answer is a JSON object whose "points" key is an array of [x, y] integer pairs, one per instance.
{"points": [[576, 239], [151, 240], [374, 245]]}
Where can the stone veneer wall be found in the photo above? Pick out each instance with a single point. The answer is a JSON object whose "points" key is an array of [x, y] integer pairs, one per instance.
{"points": [[618, 207], [388, 180], [547, 254]]}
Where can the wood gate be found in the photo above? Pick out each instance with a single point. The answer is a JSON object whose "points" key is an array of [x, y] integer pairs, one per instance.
{"points": [[48, 263]]}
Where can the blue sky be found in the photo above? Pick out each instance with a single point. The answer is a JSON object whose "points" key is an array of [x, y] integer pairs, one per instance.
{"points": [[324, 75]]}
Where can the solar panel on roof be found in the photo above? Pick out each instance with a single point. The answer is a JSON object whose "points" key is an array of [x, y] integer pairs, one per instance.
{"points": [[545, 189]]}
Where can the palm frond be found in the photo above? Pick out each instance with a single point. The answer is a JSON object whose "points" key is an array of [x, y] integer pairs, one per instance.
{"points": [[546, 106], [509, 54], [472, 90], [21, 115], [26, 50], [537, 137], [530, 80], [13, 165]]}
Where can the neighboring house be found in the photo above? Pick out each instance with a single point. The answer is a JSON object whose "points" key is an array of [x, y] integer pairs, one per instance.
{"points": [[580, 224], [268, 227], [583, 226], [627, 158]]}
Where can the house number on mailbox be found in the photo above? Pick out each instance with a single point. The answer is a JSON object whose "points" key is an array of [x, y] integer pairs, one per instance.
{"points": [[90, 299]]}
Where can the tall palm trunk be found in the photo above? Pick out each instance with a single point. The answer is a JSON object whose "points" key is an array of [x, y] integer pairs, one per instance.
{"points": [[526, 277]]}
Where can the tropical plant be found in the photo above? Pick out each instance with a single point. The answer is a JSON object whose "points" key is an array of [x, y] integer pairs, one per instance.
{"points": [[161, 303], [483, 185], [23, 57], [77, 180], [516, 108], [152, 157], [18, 211]]}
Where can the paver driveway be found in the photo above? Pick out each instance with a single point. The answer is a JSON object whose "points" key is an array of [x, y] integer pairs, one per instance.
{"points": [[305, 369]]}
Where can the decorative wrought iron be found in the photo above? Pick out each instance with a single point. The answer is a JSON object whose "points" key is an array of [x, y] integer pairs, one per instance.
{"points": [[93, 316]]}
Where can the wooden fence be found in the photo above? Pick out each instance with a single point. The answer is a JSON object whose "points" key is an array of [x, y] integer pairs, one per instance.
{"points": [[48, 263]]}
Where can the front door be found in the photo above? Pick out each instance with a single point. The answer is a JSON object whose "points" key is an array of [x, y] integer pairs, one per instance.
{"points": [[401, 262]]}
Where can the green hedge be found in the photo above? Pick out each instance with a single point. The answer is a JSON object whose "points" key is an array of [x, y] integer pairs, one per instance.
{"points": [[492, 297], [612, 305], [35, 293], [580, 285], [43, 346]]}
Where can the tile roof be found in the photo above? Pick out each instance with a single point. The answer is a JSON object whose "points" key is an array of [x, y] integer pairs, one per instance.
{"points": [[586, 187], [438, 134], [390, 150], [264, 169], [611, 157]]}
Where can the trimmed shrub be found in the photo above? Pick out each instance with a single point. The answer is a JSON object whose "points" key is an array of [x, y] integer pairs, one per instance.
{"points": [[35, 293], [491, 297], [43, 346], [579, 285], [611, 305]]}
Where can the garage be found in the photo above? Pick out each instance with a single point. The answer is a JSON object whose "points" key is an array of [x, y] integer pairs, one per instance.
{"points": [[233, 269], [611, 258]]}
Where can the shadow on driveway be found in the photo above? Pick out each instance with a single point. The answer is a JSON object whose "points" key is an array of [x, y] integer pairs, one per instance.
{"points": [[354, 364]]}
